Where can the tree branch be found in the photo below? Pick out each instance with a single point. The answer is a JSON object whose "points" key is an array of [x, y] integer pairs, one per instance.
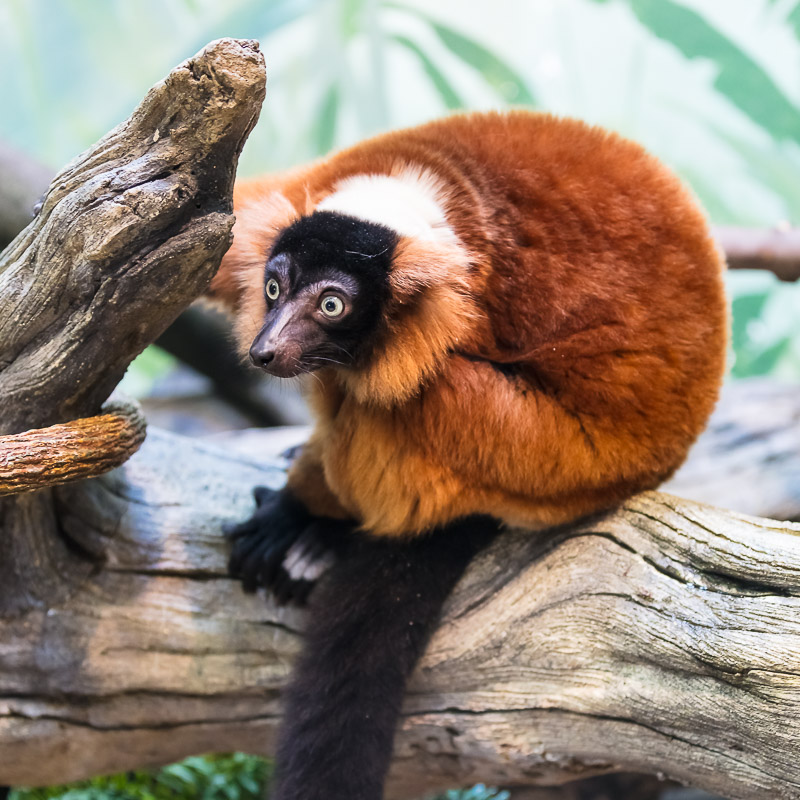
{"points": [[83, 448], [774, 249]]}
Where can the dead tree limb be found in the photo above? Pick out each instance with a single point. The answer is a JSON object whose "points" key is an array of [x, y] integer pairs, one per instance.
{"points": [[128, 234], [775, 249]]}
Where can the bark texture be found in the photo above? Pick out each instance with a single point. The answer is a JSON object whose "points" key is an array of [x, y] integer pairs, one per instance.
{"points": [[83, 448], [128, 234], [660, 638]]}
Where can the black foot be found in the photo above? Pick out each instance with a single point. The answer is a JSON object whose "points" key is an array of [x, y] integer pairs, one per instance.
{"points": [[283, 548]]}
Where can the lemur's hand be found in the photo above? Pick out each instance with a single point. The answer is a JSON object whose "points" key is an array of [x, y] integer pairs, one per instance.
{"points": [[284, 548]]}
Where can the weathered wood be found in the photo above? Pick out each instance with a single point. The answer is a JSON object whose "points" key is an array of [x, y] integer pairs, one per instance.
{"points": [[83, 448], [128, 234], [749, 458], [661, 638]]}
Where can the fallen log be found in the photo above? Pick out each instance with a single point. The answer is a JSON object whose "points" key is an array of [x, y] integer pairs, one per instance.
{"points": [[659, 638]]}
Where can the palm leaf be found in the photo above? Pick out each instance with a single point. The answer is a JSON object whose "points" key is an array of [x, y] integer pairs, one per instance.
{"points": [[740, 79], [794, 20], [325, 127], [508, 83], [446, 91]]}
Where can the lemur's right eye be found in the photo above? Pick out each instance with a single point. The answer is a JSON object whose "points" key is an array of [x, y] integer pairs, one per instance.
{"points": [[272, 289]]}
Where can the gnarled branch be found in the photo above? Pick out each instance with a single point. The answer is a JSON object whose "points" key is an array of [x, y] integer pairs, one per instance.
{"points": [[129, 233]]}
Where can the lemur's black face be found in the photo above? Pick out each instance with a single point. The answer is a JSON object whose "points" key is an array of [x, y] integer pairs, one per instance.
{"points": [[326, 285]]}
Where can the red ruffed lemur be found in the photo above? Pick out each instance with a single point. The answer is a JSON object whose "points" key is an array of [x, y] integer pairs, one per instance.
{"points": [[511, 319]]}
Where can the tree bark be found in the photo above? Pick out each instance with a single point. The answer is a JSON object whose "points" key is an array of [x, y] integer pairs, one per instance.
{"points": [[128, 235], [76, 450], [659, 638]]}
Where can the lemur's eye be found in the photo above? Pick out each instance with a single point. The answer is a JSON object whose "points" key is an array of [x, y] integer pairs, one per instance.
{"points": [[272, 289], [331, 305]]}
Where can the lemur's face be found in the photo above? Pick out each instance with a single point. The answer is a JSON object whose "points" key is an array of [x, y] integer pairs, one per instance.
{"points": [[326, 285]]}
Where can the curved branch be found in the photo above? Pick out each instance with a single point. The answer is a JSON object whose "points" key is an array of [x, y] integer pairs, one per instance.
{"points": [[83, 448]]}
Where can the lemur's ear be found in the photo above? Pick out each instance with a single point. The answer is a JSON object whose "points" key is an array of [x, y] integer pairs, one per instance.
{"points": [[261, 213]]}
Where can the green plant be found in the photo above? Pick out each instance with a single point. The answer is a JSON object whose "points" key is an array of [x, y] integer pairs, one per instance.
{"points": [[225, 777]]}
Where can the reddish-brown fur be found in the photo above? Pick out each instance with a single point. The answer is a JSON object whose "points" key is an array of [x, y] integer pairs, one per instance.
{"points": [[581, 260]]}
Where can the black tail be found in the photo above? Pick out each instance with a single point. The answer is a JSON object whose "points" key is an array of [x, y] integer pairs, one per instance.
{"points": [[369, 621]]}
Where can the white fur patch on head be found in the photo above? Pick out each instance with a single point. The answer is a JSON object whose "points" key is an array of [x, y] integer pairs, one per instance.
{"points": [[408, 202]]}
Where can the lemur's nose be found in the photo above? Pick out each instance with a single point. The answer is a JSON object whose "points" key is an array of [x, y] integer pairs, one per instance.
{"points": [[261, 358]]}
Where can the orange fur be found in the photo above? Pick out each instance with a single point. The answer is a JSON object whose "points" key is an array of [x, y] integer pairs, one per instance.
{"points": [[577, 258]]}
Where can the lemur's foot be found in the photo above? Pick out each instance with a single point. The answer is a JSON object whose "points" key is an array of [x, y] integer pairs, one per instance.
{"points": [[283, 548]]}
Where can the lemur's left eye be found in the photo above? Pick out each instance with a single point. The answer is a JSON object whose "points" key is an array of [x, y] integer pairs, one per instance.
{"points": [[331, 305], [272, 289]]}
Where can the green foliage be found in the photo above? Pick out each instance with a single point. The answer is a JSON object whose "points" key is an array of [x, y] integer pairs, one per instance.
{"points": [[145, 370], [225, 777], [494, 70], [746, 84], [794, 20], [765, 333], [448, 93]]}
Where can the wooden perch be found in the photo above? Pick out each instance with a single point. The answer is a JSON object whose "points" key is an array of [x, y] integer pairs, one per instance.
{"points": [[661, 638], [775, 249]]}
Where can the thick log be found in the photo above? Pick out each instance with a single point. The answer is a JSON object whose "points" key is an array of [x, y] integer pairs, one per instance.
{"points": [[660, 638], [128, 234]]}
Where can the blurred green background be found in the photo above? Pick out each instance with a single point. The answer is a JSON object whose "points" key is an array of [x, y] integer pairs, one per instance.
{"points": [[711, 86]]}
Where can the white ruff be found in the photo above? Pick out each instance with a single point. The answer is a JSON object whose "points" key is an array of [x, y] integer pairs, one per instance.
{"points": [[407, 202]]}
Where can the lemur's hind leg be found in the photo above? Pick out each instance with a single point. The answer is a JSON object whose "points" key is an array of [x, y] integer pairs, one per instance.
{"points": [[283, 548]]}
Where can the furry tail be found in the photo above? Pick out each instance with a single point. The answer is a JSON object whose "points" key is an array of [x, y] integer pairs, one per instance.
{"points": [[370, 619]]}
